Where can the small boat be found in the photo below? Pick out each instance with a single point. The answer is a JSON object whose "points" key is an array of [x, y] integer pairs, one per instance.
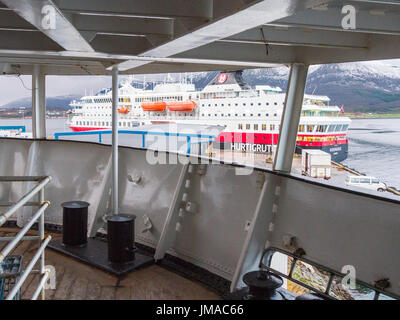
{"points": [[124, 110], [154, 106], [188, 105]]}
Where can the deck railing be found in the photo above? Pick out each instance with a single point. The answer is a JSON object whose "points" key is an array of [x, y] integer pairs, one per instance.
{"points": [[191, 138], [41, 182]]}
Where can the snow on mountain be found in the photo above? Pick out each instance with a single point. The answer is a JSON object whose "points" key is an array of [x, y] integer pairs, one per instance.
{"points": [[372, 86]]}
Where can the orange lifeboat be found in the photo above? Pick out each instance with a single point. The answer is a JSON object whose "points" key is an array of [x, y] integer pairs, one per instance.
{"points": [[188, 105], [154, 106], [124, 110]]}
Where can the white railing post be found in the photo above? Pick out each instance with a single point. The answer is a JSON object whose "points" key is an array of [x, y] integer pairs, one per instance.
{"points": [[38, 103], [115, 140], [13, 241], [290, 118], [41, 238]]}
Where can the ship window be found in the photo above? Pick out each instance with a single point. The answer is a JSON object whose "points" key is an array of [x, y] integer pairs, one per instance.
{"points": [[310, 128], [267, 114], [244, 104], [209, 115], [240, 126], [264, 127], [272, 127], [251, 114], [259, 103], [216, 114], [267, 103], [236, 104], [338, 127], [251, 103], [275, 114], [301, 128], [222, 104], [244, 114], [259, 114], [321, 128], [275, 103], [236, 114], [345, 126], [215, 104], [247, 126], [256, 127]]}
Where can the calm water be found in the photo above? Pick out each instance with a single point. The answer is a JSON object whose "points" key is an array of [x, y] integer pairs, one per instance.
{"points": [[374, 149], [374, 145]]}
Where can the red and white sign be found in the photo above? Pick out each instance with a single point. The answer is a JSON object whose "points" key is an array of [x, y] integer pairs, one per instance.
{"points": [[222, 78]]}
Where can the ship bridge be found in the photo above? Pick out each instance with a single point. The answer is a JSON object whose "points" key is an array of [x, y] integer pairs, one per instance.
{"points": [[223, 218]]}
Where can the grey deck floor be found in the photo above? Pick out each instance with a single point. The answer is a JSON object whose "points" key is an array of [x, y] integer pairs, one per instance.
{"points": [[77, 281]]}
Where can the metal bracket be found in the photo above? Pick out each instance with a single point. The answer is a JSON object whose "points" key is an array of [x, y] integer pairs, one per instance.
{"points": [[260, 229], [179, 205], [148, 225], [103, 208]]}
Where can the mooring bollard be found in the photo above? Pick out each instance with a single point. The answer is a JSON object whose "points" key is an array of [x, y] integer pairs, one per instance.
{"points": [[75, 217], [121, 237]]}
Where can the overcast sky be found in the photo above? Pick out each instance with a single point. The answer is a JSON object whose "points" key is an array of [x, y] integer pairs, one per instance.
{"points": [[12, 87]]}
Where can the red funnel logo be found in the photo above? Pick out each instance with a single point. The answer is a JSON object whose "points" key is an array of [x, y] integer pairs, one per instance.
{"points": [[222, 78]]}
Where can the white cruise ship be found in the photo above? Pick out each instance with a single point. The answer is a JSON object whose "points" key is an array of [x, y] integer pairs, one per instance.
{"points": [[251, 116]]}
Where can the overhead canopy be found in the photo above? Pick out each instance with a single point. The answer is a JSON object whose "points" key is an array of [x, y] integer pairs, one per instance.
{"points": [[158, 36]]}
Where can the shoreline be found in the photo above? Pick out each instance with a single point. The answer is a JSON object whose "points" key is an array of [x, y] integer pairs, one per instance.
{"points": [[372, 116]]}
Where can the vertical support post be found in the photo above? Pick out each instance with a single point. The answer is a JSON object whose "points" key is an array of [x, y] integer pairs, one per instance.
{"points": [[115, 140], [38, 103], [41, 238], [290, 118], [169, 230]]}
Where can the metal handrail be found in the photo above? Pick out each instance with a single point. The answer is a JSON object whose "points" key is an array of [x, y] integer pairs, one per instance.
{"points": [[4, 217], [13, 241], [188, 136]]}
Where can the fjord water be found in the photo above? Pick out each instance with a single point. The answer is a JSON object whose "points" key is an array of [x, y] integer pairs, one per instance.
{"points": [[374, 149], [374, 145]]}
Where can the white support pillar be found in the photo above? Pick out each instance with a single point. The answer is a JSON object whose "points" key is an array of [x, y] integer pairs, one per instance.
{"points": [[38, 103], [115, 140], [290, 118]]}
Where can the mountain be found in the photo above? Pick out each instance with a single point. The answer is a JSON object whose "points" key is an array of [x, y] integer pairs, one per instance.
{"points": [[360, 87], [58, 102]]}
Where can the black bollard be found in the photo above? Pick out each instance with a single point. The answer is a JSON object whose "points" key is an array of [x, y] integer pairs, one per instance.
{"points": [[121, 237], [75, 217], [262, 285]]}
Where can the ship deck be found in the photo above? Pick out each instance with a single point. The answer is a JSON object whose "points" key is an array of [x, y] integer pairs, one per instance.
{"points": [[78, 281]]}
